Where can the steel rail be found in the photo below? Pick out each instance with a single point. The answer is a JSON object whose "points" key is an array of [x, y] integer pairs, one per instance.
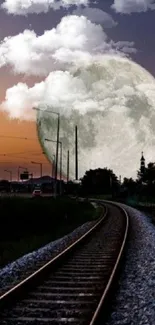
{"points": [[117, 243], [108, 286], [10, 293]]}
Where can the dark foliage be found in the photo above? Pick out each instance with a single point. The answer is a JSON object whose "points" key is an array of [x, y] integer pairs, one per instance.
{"points": [[21, 216], [99, 181]]}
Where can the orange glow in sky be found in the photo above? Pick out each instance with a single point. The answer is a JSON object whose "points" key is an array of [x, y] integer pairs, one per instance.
{"points": [[16, 152]]}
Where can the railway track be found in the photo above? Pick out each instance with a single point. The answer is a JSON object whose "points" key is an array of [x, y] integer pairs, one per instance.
{"points": [[71, 288]]}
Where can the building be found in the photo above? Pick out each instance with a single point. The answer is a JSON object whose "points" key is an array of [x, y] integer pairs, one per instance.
{"points": [[142, 165], [141, 170]]}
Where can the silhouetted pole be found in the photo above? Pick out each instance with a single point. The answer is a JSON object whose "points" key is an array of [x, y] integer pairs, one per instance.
{"points": [[10, 172], [60, 167], [76, 153], [67, 166], [60, 160], [57, 143], [53, 163], [57, 147], [57, 153]]}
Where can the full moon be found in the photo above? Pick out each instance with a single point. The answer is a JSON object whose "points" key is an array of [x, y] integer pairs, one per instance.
{"points": [[112, 101]]}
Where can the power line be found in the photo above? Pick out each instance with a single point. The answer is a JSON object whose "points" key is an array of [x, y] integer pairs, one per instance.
{"points": [[17, 157], [14, 163], [19, 153], [15, 137]]}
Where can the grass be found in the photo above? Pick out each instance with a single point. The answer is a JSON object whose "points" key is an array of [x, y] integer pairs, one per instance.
{"points": [[27, 224], [102, 196], [144, 205]]}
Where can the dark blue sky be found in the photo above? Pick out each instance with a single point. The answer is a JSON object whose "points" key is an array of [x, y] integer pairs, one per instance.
{"points": [[136, 27]]}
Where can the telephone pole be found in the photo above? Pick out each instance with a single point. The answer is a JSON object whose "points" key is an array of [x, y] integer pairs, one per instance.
{"points": [[76, 153], [57, 146], [53, 165], [67, 166], [10, 172]]}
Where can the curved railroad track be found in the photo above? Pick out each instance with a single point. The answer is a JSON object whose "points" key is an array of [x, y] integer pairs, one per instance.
{"points": [[72, 287]]}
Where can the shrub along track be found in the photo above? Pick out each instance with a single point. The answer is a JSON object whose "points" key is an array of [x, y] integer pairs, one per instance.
{"points": [[72, 287]]}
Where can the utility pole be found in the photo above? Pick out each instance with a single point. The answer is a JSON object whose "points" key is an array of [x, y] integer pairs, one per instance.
{"points": [[67, 166], [57, 142], [60, 167], [76, 153], [60, 160], [57, 147], [10, 172], [57, 153], [53, 163]]}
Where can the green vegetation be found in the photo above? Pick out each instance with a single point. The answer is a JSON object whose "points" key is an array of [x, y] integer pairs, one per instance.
{"points": [[101, 181], [103, 197], [27, 224]]}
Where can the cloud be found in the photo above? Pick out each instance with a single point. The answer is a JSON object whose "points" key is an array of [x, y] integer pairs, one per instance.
{"points": [[20, 98], [24, 7], [96, 15], [58, 48], [129, 6], [89, 91], [18, 101]]}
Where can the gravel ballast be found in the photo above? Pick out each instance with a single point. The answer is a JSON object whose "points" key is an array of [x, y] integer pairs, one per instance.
{"points": [[135, 300], [18, 270]]}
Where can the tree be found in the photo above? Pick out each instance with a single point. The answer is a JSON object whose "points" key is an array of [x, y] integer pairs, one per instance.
{"points": [[129, 186], [4, 185], [99, 181], [149, 176], [147, 181]]}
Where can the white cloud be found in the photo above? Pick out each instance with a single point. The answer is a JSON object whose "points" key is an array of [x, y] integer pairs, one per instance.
{"points": [[96, 15], [19, 99], [24, 7], [73, 41], [129, 6], [89, 91]]}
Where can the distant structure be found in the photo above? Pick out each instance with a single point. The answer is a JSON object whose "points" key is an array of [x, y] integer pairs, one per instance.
{"points": [[76, 153], [142, 165]]}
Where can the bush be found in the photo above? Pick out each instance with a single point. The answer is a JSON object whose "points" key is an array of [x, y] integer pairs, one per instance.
{"points": [[21, 216]]}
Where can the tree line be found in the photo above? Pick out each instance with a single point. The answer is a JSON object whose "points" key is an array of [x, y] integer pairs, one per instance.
{"points": [[103, 181]]}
